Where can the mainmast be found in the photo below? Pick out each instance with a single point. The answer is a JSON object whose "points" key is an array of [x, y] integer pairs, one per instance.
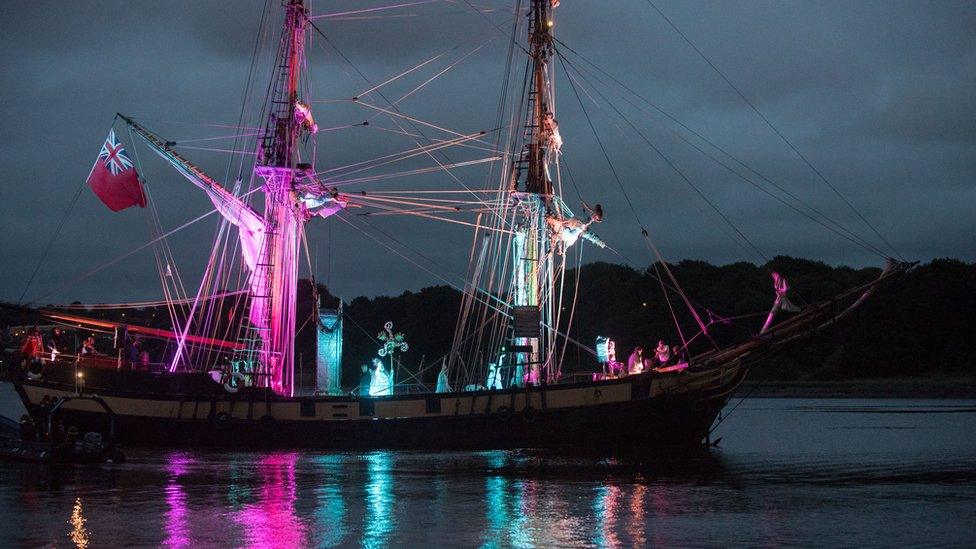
{"points": [[279, 165], [540, 102], [532, 202]]}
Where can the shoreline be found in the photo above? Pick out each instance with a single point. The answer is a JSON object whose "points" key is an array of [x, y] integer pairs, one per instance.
{"points": [[913, 387]]}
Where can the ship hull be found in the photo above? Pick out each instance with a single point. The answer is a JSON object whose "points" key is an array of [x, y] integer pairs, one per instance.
{"points": [[647, 411]]}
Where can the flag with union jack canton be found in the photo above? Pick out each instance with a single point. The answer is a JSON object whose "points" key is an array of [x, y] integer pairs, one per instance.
{"points": [[113, 178]]}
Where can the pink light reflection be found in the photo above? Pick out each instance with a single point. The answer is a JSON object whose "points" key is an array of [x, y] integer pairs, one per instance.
{"points": [[177, 529], [271, 521]]}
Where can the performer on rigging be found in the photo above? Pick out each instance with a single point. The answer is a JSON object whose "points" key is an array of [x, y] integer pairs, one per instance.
{"points": [[781, 287], [568, 230]]}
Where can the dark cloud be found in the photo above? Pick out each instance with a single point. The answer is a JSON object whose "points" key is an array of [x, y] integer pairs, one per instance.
{"points": [[877, 94]]}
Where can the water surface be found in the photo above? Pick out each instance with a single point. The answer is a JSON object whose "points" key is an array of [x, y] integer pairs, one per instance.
{"points": [[787, 472]]}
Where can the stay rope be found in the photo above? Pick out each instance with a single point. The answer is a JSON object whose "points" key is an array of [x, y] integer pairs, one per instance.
{"points": [[815, 214], [50, 243], [775, 130]]}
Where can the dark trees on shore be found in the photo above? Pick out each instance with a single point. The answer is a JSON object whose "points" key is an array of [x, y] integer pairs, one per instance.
{"points": [[920, 325]]}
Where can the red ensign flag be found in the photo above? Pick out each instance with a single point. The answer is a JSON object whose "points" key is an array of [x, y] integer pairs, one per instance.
{"points": [[113, 178]]}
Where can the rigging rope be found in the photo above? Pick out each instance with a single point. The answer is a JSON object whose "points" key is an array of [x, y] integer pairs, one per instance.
{"points": [[136, 304], [392, 118], [371, 10], [670, 163], [514, 40], [631, 204], [397, 252], [124, 256], [827, 223], [766, 120], [50, 243]]}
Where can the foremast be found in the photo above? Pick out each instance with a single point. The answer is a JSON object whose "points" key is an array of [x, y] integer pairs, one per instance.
{"points": [[278, 163], [532, 200], [292, 195]]}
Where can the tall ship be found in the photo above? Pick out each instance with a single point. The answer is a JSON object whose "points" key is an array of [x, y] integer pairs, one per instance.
{"points": [[228, 376]]}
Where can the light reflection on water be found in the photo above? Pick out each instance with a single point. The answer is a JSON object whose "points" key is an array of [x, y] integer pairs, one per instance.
{"points": [[379, 520], [79, 534], [788, 472], [330, 508], [270, 521], [177, 533]]}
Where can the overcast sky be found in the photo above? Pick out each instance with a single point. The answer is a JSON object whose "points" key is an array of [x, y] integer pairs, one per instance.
{"points": [[878, 95]]}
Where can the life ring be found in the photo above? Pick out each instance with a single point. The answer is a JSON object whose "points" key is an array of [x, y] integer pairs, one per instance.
{"points": [[597, 393], [35, 370], [222, 420], [230, 388], [529, 414], [503, 413]]}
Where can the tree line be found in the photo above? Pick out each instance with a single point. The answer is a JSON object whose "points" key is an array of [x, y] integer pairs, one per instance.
{"points": [[920, 324]]}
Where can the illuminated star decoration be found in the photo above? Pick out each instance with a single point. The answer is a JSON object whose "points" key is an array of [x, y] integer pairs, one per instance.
{"points": [[390, 341]]}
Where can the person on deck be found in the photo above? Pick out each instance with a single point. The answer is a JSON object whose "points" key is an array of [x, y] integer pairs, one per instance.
{"points": [[88, 346], [33, 346], [680, 355], [443, 386], [494, 380], [635, 364], [134, 353], [379, 385], [662, 353], [53, 345], [364, 380]]}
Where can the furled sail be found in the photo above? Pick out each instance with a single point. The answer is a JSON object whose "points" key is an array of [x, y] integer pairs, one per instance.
{"points": [[250, 224], [251, 229]]}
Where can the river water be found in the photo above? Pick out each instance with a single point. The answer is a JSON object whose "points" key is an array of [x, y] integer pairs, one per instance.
{"points": [[787, 472]]}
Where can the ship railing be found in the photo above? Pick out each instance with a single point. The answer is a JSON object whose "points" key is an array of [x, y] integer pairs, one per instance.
{"points": [[401, 389]]}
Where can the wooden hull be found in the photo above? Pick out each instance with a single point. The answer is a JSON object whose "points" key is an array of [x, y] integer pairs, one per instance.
{"points": [[647, 411]]}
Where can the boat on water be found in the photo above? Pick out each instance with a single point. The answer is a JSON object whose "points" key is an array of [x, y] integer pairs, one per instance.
{"points": [[229, 378], [42, 437]]}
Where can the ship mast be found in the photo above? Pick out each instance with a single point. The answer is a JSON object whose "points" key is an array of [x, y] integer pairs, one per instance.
{"points": [[540, 103], [292, 196], [278, 164], [532, 200]]}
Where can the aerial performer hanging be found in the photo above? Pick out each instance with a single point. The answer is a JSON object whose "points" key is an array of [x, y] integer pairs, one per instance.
{"points": [[568, 230], [781, 302]]}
